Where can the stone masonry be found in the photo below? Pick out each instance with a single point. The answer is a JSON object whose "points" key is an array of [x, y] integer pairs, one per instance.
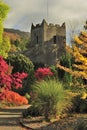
{"points": [[48, 43]]}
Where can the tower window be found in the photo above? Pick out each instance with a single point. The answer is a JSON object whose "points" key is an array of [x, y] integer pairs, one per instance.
{"points": [[37, 39], [54, 39]]}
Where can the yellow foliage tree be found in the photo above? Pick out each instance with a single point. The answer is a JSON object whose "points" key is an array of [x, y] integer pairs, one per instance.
{"points": [[79, 52]]}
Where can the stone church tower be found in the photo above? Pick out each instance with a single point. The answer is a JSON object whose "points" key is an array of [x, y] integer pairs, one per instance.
{"points": [[47, 43], [44, 33]]}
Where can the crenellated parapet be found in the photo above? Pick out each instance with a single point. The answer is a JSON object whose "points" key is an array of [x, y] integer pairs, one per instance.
{"points": [[44, 23], [45, 32]]}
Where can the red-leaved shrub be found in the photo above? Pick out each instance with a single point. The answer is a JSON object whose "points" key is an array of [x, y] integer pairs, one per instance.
{"points": [[42, 73], [8, 80]]}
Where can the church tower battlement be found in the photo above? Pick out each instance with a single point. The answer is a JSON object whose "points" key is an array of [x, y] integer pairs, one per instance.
{"points": [[44, 32]]}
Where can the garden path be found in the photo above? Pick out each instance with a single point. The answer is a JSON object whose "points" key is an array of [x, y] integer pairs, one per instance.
{"points": [[9, 118]]}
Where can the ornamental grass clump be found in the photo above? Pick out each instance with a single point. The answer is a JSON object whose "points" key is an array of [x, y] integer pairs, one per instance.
{"points": [[49, 98]]}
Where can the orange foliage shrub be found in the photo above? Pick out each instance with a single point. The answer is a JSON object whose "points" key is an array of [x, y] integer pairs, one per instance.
{"points": [[14, 97]]}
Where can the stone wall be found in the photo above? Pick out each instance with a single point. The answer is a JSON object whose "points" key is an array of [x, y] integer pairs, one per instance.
{"points": [[45, 53]]}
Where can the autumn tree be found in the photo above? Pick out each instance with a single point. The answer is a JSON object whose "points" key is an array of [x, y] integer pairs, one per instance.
{"points": [[4, 41], [79, 53]]}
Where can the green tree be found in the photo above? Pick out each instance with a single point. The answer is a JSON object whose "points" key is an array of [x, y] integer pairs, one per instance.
{"points": [[5, 47], [3, 13], [4, 41], [66, 61], [21, 44]]}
